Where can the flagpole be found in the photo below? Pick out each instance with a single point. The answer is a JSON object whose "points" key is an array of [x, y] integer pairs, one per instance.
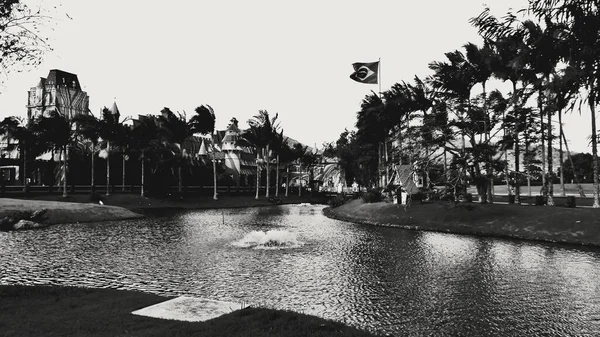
{"points": [[379, 75]]}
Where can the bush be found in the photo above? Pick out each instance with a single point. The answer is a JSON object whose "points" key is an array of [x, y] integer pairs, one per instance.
{"points": [[338, 200], [372, 196]]}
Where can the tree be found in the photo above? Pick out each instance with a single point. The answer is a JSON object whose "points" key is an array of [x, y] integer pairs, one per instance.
{"points": [[252, 137], [56, 131], [582, 20], [203, 122], [20, 42], [15, 128], [145, 138], [111, 130], [265, 129], [88, 127]]}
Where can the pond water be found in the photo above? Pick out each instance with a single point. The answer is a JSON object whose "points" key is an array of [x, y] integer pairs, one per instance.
{"points": [[385, 280]]}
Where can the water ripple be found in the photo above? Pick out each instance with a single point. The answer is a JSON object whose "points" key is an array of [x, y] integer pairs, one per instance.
{"points": [[389, 281]]}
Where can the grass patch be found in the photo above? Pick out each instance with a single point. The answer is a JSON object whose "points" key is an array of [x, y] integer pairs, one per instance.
{"points": [[72, 311], [579, 226]]}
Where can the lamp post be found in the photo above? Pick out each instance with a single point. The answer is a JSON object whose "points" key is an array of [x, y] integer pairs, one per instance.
{"points": [[214, 162]]}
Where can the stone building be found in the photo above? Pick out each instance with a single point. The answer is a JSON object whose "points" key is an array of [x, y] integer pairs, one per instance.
{"points": [[59, 91]]}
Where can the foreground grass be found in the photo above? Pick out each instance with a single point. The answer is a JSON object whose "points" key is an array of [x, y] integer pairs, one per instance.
{"points": [[545, 223], [69, 311]]}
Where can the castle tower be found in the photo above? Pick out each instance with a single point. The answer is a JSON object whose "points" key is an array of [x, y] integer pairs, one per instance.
{"points": [[60, 91]]}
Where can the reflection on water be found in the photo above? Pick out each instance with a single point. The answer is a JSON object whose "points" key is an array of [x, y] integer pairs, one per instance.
{"points": [[382, 279]]}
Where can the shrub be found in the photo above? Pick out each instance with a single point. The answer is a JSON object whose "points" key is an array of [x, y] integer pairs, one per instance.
{"points": [[338, 200], [373, 195]]}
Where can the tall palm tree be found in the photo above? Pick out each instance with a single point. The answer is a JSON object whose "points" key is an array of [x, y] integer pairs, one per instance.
{"points": [[88, 127], [252, 137], [175, 130], [299, 152], [454, 80], [583, 27], [267, 129], [15, 128], [55, 130], [278, 146], [373, 124], [145, 138], [482, 60], [203, 122], [111, 131]]}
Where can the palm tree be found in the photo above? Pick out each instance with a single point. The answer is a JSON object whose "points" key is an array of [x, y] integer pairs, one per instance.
{"points": [[482, 60], [583, 27], [111, 131], [267, 129], [454, 80], [56, 131], [287, 156], [145, 138], [88, 127], [373, 124], [277, 147], [203, 122], [299, 152], [15, 128], [175, 130], [252, 137]]}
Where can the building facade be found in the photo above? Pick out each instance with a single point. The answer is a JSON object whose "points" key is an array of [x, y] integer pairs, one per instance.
{"points": [[60, 91]]}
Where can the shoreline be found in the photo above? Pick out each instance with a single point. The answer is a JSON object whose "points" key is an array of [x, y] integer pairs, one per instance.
{"points": [[557, 225], [79, 208]]}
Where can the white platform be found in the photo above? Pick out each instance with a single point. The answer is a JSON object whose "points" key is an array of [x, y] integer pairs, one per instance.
{"points": [[189, 309]]}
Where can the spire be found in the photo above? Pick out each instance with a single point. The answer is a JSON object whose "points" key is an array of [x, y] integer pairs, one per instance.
{"points": [[114, 109]]}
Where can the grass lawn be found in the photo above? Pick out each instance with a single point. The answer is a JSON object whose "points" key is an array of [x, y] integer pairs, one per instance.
{"points": [[545, 223], [69, 311]]}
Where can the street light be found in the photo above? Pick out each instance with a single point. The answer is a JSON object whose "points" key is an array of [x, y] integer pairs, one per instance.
{"points": [[214, 161]]}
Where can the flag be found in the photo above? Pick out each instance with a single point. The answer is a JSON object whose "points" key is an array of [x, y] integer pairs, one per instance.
{"points": [[365, 72]]}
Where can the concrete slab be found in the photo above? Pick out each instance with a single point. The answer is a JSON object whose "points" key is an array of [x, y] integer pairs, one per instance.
{"points": [[189, 309]]}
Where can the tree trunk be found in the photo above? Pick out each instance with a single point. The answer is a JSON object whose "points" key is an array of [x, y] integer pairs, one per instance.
{"points": [[92, 182], [268, 171], [550, 173], [287, 179], [387, 168], [215, 197], [594, 148], [560, 155], [379, 164], [143, 174], [488, 166], [506, 170], [180, 180], [541, 108], [581, 193], [257, 173], [277, 178], [123, 184], [107, 168], [300, 180], [517, 149], [24, 166], [65, 172]]}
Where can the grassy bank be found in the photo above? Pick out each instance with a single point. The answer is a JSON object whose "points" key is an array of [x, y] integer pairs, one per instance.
{"points": [[66, 311], [579, 226], [80, 207]]}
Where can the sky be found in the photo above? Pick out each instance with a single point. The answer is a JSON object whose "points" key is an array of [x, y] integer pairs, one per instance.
{"points": [[293, 58]]}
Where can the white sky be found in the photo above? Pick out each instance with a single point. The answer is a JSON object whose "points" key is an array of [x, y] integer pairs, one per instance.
{"points": [[290, 57]]}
